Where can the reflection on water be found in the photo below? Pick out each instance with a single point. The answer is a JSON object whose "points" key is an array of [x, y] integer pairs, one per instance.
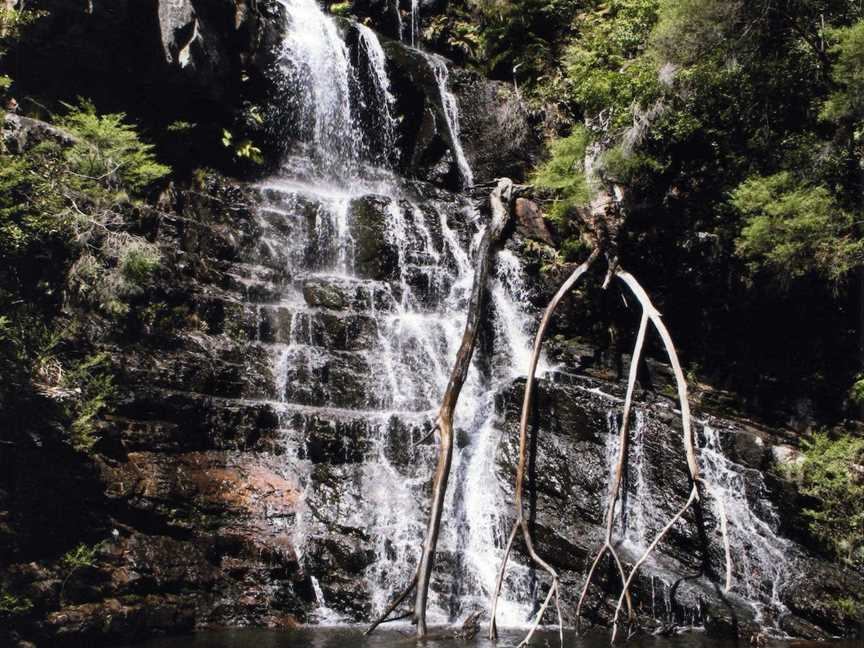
{"points": [[353, 638]]}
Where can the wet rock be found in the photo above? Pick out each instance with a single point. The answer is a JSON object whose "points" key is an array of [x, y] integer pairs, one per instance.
{"points": [[383, 14], [530, 223], [120, 619], [375, 257], [499, 139], [158, 47], [339, 294], [566, 490], [325, 295]]}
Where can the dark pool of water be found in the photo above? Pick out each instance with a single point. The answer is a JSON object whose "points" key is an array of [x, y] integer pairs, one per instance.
{"points": [[353, 638]]}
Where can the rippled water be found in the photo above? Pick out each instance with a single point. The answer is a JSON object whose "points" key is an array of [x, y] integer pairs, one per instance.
{"points": [[353, 638]]}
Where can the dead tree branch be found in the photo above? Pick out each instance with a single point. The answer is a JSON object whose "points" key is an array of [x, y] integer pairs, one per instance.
{"points": [[521, 521], [616, 480], [689, 444], [501, 200]]}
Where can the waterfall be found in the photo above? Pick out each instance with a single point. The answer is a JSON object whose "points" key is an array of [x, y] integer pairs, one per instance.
{"points": [[761, 558], [451, 114], [415, 18], [371, 318], [383, 120], [363, 334], [316, 67]]}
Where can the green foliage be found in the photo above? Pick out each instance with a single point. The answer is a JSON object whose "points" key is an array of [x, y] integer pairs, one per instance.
{"points": [[92, 379], [690, 31], [243, 149], [856, 392], [138, 262], [626, 167], [847, 73], [12, 24], [793, 229], [460, 35], [79, 557], [180, 127], [12, 606], [850, 608], [64, 247], [340, 8], [109, 151], [605, 67], [832, 471], [28, 208], [564, 174]]}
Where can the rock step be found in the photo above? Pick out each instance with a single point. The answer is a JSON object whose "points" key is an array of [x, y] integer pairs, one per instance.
{"points": [[372, 234], [202, 421], [207, 365], [355, 380]]}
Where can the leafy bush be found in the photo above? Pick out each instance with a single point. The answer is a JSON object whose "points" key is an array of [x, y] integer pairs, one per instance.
{"points": [[139, 261], [793, 229], [689, 31], [832, 471], [64, 245], [93, 380], [109, 151], [80, 556], [564, 174], [856, 392], [605, 67], [12, 23], [31, 214], [11, 605], [847, 73]]}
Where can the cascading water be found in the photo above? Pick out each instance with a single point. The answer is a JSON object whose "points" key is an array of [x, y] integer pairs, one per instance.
{"points": [[451, 110], [415, 21], [761, 558], [317, 69], [370, 338], [367, 328]]}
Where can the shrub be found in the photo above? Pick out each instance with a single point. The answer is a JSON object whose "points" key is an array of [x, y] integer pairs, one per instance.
{"points": [[93, 381], [80, 556], [832, 471], [11, 605], [109, 152], [792, 229], [564, 174], [847, 73]]}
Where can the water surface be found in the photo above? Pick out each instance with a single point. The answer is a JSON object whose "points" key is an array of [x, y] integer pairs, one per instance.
{"points": [[353, 638]]}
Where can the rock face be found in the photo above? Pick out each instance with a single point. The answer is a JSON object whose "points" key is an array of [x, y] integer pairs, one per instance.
{"points": [[234, 480], [199, 46], [186, 503], [568, 491]]}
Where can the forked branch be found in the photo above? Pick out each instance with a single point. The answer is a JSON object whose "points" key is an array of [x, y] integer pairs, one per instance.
{"points": [[689, 444], [520, 521], [615, 490]]}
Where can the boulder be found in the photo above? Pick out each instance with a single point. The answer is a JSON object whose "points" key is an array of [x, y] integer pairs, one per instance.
{"points": [[530, 223], [20, 134]]}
